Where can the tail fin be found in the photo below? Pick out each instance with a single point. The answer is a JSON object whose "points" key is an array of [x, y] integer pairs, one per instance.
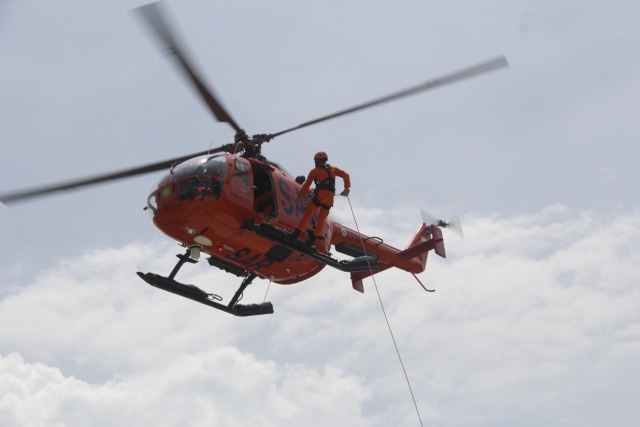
{"points": [[412, 259], [425, 239]]}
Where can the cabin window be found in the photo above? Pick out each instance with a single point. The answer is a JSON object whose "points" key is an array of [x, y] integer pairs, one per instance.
{"points": [[242, 166], [240, 179]]}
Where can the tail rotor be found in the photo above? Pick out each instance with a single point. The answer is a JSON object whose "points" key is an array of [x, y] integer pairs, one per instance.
{"points": [[453, 224]]}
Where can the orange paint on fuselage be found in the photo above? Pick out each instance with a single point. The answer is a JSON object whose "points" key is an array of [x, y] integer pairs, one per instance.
{"points": [[207, 202], [198, 208]]}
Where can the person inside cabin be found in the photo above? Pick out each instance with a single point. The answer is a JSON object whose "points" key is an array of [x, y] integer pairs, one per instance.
{"points": [[324, 177], [265, 203]]}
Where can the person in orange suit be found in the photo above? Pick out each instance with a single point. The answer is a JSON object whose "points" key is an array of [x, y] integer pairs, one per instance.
{"points": [[324, 177]]}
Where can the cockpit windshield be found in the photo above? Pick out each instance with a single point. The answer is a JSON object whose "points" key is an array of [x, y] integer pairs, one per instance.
{"points": [[200, 177], [209, 166]]}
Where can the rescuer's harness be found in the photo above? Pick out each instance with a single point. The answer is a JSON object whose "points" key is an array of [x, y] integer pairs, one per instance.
{"points": [[329, 184]]}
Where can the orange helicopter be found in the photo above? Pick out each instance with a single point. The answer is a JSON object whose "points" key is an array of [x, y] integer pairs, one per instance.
{"points": [[237, 207]]}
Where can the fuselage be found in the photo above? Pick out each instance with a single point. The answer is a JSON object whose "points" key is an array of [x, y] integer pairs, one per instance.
{"points": [[204, 202], [208, 202]]}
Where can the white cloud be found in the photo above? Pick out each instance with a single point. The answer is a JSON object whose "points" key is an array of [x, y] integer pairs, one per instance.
{"points": [[535, 316], [534, 320], [219, 387]]}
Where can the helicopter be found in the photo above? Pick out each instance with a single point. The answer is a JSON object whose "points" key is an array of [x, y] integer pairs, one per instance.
{"points": [[237, 207]]}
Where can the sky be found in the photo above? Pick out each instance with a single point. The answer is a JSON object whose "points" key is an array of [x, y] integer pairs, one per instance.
{"points": [[535, 317]]}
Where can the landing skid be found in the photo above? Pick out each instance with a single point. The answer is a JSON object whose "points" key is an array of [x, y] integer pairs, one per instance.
{"points": [[281, 237], [194, 293]]}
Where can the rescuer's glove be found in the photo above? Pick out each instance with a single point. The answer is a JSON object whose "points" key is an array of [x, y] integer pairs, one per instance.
{"points": [[345, 193]]}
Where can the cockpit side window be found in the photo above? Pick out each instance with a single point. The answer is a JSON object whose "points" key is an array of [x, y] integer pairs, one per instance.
{"points": [[240, 179]]}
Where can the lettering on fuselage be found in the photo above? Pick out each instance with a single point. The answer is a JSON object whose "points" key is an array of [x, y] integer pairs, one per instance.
{"points": [[286, 201], [249, 259]]}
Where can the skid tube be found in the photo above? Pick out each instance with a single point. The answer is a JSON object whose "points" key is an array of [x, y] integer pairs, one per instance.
{"points": [[194, 293]]}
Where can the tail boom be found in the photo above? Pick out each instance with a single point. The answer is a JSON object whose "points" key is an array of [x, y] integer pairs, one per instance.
{"points": [[412, 259]]}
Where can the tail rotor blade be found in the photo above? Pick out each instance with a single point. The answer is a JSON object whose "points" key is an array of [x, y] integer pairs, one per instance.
{"points": [[427, 218], [455, 225]]}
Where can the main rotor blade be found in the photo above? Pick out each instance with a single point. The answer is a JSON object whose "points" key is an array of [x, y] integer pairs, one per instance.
{"points": [[154, 17], [475, 70], [126, 173]]}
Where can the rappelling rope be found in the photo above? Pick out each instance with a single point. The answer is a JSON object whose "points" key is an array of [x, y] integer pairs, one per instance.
{"points": [[267, 292], [386, 318]]}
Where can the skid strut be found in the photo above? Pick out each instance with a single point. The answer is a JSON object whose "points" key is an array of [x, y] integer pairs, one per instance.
{"points": [[194, 293]]}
